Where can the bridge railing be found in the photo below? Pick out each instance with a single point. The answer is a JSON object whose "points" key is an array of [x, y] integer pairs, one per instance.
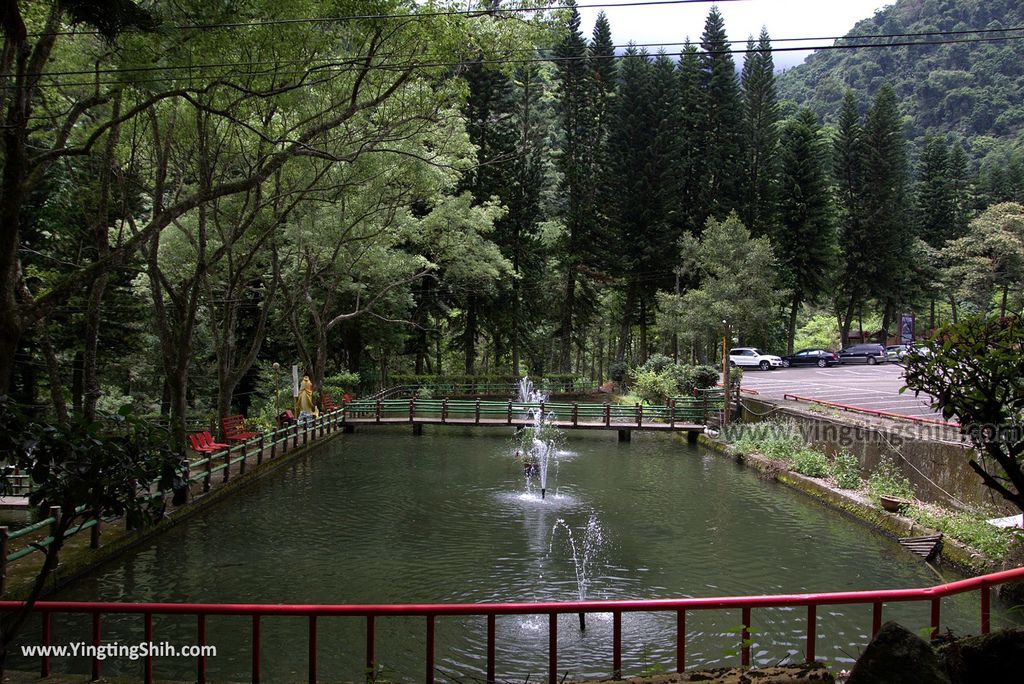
{"points": [[680, 608], [688, 410]]}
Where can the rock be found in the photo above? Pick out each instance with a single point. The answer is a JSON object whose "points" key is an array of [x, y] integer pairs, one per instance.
{"points": [[807, 673], [898, 656], [995, 657]]}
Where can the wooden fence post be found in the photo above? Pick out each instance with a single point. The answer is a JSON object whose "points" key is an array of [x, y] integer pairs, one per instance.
{"points": [[607, 414], [478, 410]]}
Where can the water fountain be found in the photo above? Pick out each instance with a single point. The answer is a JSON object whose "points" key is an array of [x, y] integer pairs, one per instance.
{"points": [[538, 441], [583, 556]]}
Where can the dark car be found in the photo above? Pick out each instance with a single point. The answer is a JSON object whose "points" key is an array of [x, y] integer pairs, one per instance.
{"points": [[811, 357], [863, 353]]}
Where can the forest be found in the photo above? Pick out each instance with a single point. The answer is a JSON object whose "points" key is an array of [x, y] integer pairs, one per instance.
{"points": [[194, 191]]}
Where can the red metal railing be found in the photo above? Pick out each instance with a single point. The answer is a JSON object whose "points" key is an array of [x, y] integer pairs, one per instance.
{"points": [[871, 412], [430, 612]]}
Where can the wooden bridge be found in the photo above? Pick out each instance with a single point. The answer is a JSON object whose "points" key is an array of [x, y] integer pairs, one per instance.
{"points": [[682, 414]]}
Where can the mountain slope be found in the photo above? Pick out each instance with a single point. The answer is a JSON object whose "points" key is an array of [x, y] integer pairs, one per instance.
{"points": [[962, 89]]}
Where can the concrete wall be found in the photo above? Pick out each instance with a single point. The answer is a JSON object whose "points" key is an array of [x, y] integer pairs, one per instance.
{"points": [[931, 459]]}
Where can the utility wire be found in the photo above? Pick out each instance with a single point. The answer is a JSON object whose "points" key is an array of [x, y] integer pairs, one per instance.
{"points": [[396, 15], [225, 65], [499, 61]]}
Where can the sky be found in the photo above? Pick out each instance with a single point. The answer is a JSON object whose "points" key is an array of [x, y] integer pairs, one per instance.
{"points": [[784, 19]]}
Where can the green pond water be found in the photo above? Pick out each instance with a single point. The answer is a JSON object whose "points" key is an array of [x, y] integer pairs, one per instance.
{"points": [[382, 516]]}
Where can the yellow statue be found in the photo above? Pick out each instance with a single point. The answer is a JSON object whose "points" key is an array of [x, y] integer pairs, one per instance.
{"points": [[304, 402]]}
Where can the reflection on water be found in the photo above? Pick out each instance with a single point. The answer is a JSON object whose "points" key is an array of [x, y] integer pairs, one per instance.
{"points": [[385, 517]]}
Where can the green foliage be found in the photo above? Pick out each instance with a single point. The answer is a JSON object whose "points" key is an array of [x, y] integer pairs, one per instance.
{"points": [[618, 371], [820, 331], [340, 383], [974, 370], [969, 527], [653, 387], [966, 88], [989, 259], [888, 480], [845, 470], [777, 440], [105, 467], [810, 462]]}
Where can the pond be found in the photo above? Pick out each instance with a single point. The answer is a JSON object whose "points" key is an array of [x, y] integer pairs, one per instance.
{"points": [[382, 516]]}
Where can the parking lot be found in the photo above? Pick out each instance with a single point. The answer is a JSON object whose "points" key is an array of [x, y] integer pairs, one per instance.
{"points": [[870, 387]]}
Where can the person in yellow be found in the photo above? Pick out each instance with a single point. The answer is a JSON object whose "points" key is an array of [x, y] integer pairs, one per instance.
{"points": [[304, 402]]}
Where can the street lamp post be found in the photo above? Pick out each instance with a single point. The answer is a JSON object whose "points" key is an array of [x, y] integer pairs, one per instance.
{"points": [[277, 391]]}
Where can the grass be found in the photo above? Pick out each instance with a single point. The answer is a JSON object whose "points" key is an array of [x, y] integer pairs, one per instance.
{"points": [[968, 527]]}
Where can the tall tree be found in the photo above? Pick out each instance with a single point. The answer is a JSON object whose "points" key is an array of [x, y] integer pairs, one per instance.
{"points": [[760, 136], [854, 232], [722, 119], [806, 238], [693, 196], [885, 203], [573, 156]]}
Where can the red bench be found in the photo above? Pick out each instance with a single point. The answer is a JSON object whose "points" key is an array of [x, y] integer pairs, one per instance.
{"points": [[234, 429], [328, 403]]}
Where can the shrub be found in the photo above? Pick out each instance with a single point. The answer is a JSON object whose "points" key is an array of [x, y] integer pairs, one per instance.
{"points": [[888, 480], [778, 440], [652, 387], [617, 371], [810, 462], [845, 470], [697, 378], [656, 363]]}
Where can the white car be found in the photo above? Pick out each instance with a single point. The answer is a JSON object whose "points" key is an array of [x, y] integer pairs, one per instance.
{"points": [[753, 357]]}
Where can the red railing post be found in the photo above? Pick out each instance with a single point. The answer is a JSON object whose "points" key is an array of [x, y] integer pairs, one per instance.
{"points": [[429, 679], [147, 635], [256, 652], [876, 618], [680, 641], [44, 665], [617, 644], [370, 640], [96, 642], [745, 638], [201, 642], [986, 611], [491, 630], [552, 647], [811, 632], [312, 649]]}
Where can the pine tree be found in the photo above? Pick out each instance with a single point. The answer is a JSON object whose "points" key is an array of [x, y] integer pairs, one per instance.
{"points": [[693, 197], [854, 235], [806, 238], [885, 204], [961, 191], [934, 215], [722, 119], [570, 55], [761, 136], [631, 143]]}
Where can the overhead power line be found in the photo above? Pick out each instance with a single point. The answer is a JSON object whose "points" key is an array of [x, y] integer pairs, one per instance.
{"points": [[880, 36], [336, 65], [395, 15]]}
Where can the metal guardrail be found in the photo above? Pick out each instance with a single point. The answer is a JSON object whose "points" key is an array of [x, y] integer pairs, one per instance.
{"points": [[871, 412], [431, 612]]}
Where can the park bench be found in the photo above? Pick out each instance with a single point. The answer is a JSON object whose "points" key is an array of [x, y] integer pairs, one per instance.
{"points": [[234, 429], [328, 403]]}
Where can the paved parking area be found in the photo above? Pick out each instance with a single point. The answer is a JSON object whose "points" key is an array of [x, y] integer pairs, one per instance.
{"points": [[871, 387]]}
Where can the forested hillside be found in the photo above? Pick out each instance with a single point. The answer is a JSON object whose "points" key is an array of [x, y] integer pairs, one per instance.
{"points": [[966, 86]]}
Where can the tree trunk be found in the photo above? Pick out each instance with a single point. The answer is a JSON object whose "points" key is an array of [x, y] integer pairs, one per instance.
{"points": [[931, 314], [1002, 303], [568, 306], [627, 321], [844, 330], [60, 407], [469, 336], [791, 332], [953, 311]]}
